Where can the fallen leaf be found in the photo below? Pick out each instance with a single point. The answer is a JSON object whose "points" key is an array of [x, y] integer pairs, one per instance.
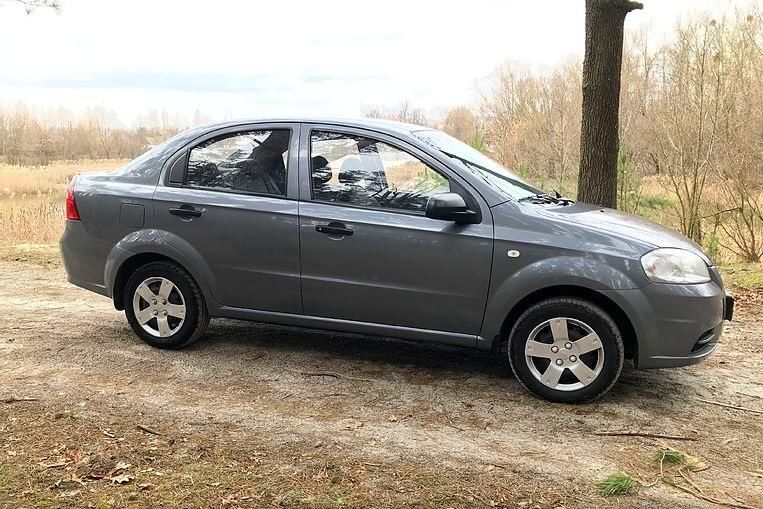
{"points": [[121, 479], [121, 466], [698, 466], [73, 455]]}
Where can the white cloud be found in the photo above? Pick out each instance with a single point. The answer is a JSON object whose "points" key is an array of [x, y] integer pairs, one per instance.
{"points": [[247, 58]]}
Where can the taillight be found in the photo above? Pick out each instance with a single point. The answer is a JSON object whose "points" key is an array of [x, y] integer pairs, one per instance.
{"points": [[72, 213]]}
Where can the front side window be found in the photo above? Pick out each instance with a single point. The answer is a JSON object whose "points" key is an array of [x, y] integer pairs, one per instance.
{"points": [[365, 172], [247, 162]]}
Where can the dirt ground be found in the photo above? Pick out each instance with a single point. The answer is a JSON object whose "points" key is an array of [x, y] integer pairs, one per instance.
{"points": [[256, 415]]}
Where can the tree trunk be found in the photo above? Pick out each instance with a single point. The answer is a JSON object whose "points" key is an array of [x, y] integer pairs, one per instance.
{"points": [[599, 139]]}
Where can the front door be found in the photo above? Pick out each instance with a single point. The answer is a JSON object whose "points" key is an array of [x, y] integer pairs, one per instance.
{"points": [[369, 253], [230, 205]]}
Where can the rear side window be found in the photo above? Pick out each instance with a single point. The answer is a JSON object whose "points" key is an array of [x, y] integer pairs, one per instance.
{"points": [[245, 162]]}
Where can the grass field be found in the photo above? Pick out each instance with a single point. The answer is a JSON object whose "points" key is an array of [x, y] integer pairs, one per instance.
{"points": [[32, 199]]}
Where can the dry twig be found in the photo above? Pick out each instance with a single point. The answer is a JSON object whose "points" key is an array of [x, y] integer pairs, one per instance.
{"points": [[151, 431], [640, 434], [734, 407], [333, 375], [711, 499], [749, 395], [14, 399]]}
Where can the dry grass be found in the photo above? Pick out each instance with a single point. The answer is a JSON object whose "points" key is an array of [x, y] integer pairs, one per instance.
{"points": [[47, 180], [32, 199]]}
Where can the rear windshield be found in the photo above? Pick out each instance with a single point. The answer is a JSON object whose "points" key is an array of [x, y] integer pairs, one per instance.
{"points": [[153, 159]]}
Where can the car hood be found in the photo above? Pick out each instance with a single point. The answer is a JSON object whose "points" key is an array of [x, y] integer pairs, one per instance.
{"points": [[620, 224]]}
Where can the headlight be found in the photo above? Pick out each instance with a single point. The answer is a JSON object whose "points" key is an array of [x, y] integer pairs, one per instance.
{"points": [[670, 265]]}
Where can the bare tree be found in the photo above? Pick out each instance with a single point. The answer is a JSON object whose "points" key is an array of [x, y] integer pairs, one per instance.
{"points": [[403, 112], [532, 123], [461, 123], [31, 5], [599, 141]]}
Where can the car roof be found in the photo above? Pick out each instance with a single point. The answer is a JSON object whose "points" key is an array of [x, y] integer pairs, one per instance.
{"points": [[379, 124]]}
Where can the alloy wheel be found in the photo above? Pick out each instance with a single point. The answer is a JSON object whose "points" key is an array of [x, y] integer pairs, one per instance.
{"points": [[159, 306], [564, 354]]}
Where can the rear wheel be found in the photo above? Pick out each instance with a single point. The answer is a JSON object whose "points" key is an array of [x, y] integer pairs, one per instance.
{"points": [[164, 306], [566, 350]]}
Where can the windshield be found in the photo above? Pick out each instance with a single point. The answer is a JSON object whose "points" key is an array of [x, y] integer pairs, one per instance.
{"points": [[498, 177]]}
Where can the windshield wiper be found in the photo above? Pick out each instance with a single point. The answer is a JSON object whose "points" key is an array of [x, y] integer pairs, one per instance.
{"points": [[540, 198], [470, 163], [547, 198]]}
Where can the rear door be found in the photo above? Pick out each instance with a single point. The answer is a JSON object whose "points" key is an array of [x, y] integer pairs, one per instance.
{"points": [[229, 200], [368, 251]]}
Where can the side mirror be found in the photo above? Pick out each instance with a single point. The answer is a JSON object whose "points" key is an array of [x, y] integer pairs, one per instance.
{"points": [[449, 207]]}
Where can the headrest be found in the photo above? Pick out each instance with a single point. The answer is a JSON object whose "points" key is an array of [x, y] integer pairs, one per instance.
{"points": [[321, 169], [352, 171]]}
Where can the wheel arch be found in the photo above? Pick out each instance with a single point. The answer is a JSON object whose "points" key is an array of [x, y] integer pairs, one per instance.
{"points": [[149, 245], [621, 319], [128, 268]]}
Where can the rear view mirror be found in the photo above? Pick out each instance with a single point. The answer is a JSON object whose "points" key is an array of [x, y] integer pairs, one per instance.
{"points": [[449, 207]]}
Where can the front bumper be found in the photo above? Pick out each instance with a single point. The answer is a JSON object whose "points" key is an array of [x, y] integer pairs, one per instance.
{"points": [[675, 325], [728, 307]]}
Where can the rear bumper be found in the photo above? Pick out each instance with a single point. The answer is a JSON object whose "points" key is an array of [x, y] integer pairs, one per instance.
{"points": [[675, 325], [84, 258]]}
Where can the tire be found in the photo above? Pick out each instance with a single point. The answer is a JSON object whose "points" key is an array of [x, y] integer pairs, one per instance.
{"points": [[174, 299], [566, 350]]}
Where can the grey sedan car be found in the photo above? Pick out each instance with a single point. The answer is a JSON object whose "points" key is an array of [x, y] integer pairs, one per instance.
{"points": [[388, 229]]}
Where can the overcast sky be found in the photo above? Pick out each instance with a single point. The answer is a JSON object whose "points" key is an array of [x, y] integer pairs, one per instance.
{"points": [[253, 58]]}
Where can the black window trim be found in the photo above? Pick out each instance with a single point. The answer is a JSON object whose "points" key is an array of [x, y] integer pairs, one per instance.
{"points": [[337, 130]]}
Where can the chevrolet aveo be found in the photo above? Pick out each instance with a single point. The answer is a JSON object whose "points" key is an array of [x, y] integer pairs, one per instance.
{"points": [[388, 229]]}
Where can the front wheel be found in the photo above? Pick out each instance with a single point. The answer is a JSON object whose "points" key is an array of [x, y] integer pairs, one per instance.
{"points": [[164, 306], [566, 350]]}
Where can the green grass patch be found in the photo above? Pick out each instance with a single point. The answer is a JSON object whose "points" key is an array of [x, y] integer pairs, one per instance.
{"points": [[104, 503], [670, 457], [616, 484], [66, 414], [5, 478], [743, 275]]}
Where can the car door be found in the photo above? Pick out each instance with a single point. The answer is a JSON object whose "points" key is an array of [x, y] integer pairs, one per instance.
{"points": [[369, 253], [229, 201]]}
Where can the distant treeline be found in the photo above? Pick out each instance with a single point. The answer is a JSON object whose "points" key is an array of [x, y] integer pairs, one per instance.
{"points": [[24, 140]]}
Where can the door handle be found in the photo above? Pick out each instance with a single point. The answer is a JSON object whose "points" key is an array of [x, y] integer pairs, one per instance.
{"points": [[185, 211], [333, 229]]}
